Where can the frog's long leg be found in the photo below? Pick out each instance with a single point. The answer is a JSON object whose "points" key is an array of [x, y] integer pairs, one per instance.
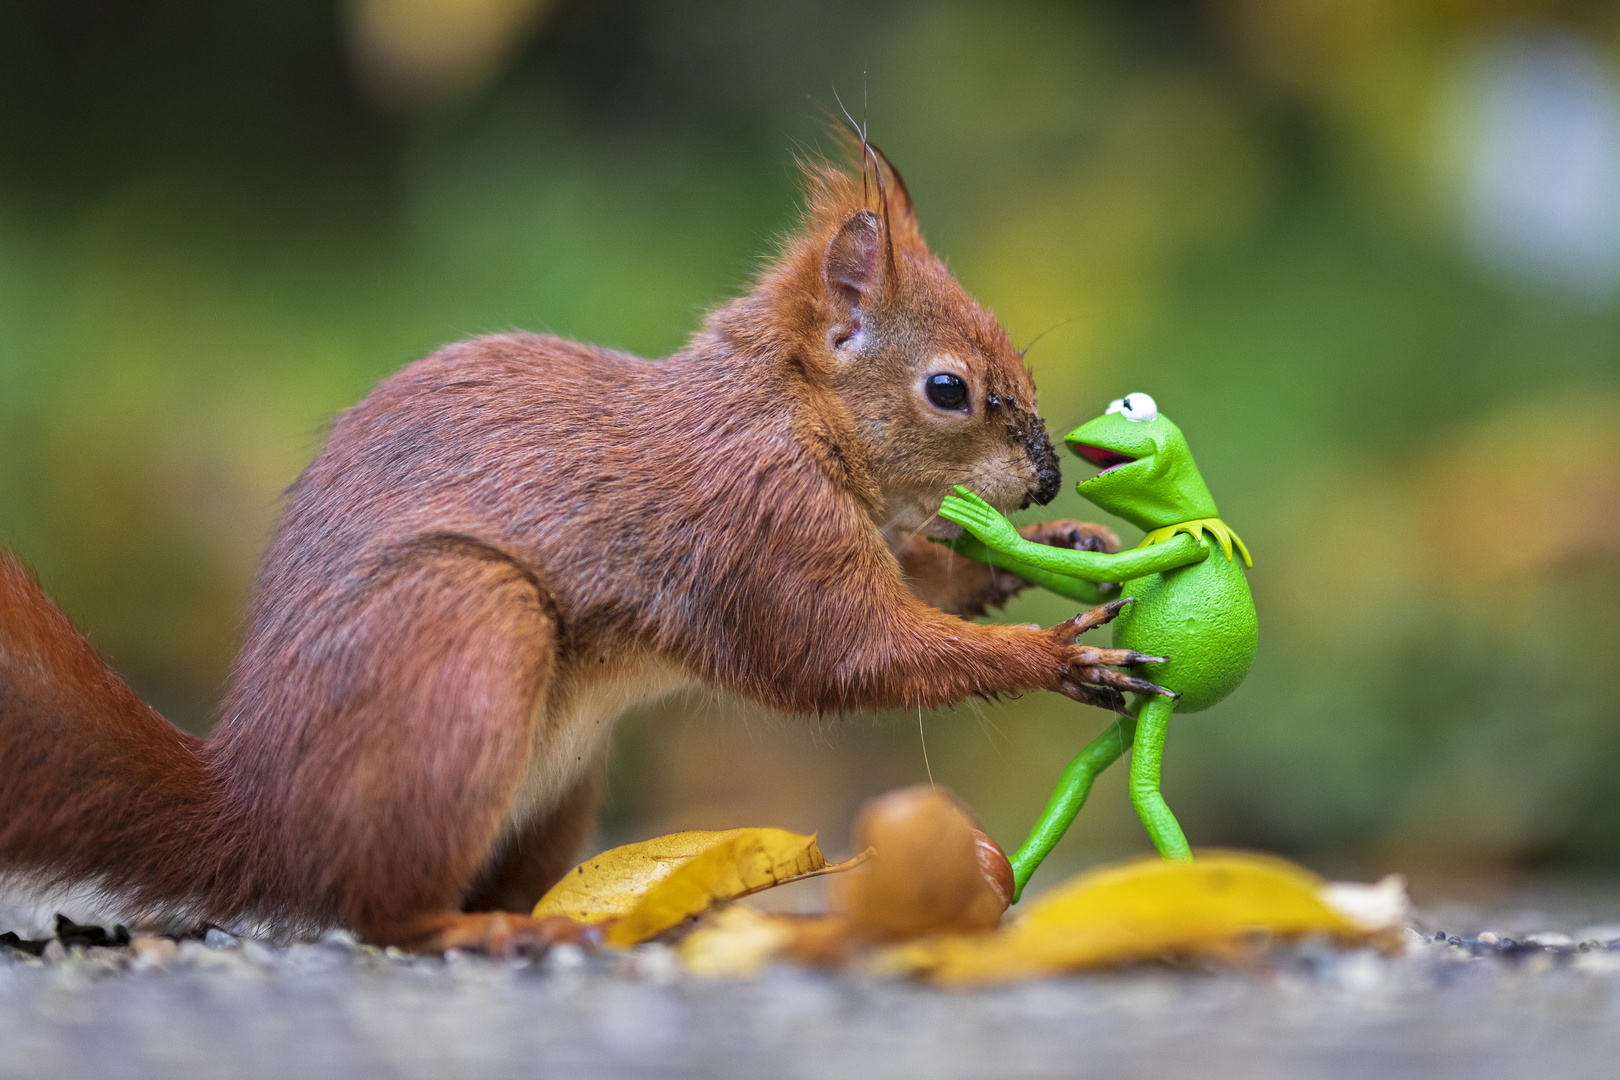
{"points": [[1069, 797], [1152, 722]]}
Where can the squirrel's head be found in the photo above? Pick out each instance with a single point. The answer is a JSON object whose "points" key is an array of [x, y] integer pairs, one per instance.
{"points": [[927, 388]]}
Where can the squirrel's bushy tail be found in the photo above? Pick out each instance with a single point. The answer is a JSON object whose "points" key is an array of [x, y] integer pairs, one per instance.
{"points": [[96, 787]]}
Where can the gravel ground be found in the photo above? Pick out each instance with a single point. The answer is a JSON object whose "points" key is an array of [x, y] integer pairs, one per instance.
{"points": [[1454, 1006]]}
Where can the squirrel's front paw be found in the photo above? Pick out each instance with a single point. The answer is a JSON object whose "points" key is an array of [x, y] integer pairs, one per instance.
{"points": [[1087, 678], [1087, 674], [1072, 535]]}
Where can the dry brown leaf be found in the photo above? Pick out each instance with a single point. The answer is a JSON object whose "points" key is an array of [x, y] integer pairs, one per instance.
{"points": [[1143, 909]]}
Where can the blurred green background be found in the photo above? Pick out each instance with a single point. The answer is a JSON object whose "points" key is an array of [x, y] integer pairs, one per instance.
{"points": [[1365, 252]]}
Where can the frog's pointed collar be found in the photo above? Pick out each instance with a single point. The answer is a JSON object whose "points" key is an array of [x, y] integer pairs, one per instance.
{"points": [[1222, 532]]}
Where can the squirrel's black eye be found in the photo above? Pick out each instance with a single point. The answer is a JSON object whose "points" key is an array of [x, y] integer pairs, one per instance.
{"points": [[947, 392]]}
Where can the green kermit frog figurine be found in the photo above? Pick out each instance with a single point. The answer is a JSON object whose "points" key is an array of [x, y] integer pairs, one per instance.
{"points": [[1181, 598]]}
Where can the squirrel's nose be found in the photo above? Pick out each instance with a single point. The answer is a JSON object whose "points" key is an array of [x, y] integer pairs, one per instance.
{"points": [[1048, 473]]}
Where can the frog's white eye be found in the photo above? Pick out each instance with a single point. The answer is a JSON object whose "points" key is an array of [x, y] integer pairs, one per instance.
{"points": [[1138, 408]]}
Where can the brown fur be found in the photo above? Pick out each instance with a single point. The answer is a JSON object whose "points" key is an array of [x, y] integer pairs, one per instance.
{"points": [[508, 543]]}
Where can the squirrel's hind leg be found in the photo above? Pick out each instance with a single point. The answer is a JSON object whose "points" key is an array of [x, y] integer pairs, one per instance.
{"points": [[427, 683], [541, 851], [1152, 722]]}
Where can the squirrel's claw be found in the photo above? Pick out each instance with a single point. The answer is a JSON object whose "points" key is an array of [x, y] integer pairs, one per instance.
{"points": [[1101, 686], [1116, 657], [1104, 697], [1126, 681], [1090, 678], [1087, 620]]}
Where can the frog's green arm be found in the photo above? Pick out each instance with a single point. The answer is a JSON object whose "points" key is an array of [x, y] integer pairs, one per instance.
{"points": [[1074, 588], [1100, 566], [987, 524]]}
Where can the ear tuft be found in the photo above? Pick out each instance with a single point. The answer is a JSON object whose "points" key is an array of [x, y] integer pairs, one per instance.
{"points": [[899, 199], [854, 258]]}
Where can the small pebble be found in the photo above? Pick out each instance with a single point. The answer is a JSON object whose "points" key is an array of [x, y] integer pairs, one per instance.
{"points": [[106, 960], [1488, 938], [1360, 972], [1598, 963], [54, 953], [219, 939], [29, 946], [308, 958], [338, 938], [563, 957], [656, 963], [197, 954], [257, 953], [151, 952], [1551, 939], [1539, 964]]}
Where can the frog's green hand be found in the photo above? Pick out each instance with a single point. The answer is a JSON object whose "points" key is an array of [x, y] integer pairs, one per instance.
{"points": [[979, 518]]}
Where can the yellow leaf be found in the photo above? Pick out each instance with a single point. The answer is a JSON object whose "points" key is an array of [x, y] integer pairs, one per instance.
{"points": [[754, 859], [611, 884], [644, 889], [735, 943], [1142, 909]]}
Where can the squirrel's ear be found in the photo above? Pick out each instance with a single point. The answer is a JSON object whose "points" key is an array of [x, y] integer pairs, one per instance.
{"points": [[854, 263]]}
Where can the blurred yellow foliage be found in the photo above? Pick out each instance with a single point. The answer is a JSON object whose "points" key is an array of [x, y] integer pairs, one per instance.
{"points": [[1142, 909], [414, 53], [1382, 72], [1221, 906]]}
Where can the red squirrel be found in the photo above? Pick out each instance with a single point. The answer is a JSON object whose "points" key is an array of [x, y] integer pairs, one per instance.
{"points": [[510, 542]]}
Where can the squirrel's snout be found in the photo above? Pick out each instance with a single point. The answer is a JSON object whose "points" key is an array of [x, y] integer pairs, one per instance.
{"points": [[1048, 473]]}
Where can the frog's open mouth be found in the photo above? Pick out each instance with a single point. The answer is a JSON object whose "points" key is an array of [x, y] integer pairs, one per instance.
{"points": [[1101, 456]]}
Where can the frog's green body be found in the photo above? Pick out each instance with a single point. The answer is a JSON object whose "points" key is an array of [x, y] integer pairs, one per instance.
{"points": [[1188, 598], [1201, 619]]}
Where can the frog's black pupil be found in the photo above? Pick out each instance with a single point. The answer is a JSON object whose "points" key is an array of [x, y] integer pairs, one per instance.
{"points": [[947, 391]]}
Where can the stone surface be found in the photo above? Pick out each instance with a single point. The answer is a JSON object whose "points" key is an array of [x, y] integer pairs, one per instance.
{"points": [[1454, 1004]]}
